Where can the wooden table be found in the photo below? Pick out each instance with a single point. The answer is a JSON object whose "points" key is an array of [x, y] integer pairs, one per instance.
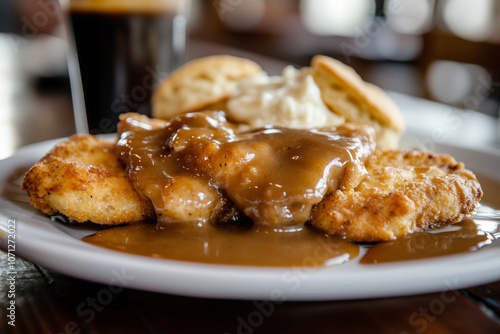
{"points": [[49, 302]]}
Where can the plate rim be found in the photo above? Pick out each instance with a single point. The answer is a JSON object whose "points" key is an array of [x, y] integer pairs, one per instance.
{"points": [[259, 284]]}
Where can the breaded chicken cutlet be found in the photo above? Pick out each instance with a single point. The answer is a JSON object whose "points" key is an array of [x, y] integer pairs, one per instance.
{"points": [[403, 192], [82, 179], [198, 163]]}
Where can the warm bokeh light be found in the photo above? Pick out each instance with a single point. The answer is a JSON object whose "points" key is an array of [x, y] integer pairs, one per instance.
{"points": [[8, 139], [400, 47], [409, 16], [472, 20], [458, 83], [336, 17]]}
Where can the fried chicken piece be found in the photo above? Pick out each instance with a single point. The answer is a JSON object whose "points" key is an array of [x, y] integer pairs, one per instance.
{"points": [[83, 179], [148, 148], [276, 175], [403, 192], [196, 163]]}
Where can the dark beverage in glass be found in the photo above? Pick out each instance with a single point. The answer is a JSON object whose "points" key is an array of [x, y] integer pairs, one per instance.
{"points": [[119, 53]]}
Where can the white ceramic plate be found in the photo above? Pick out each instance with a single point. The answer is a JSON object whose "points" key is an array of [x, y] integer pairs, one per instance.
{"points": [[58, 247]]}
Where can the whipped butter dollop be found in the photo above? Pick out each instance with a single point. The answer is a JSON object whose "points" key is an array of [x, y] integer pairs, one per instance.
{"points": [[291, 100]]}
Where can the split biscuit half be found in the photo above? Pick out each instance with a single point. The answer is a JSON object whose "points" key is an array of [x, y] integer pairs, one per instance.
{"points": [[200, 83], [345, 93]]}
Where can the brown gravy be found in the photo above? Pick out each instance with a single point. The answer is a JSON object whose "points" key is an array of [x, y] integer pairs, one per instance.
{"points": [[259, 244], [459, 238], [257, 247], [305, 248], [274, 176]]}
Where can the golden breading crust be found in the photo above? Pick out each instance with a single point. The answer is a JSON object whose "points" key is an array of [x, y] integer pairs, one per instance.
{"points": [[403, 192], [83, 179], [347, 94], [200, 83]]}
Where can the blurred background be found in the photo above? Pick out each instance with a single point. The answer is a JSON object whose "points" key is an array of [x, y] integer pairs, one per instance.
{"points": [[442, 50]]}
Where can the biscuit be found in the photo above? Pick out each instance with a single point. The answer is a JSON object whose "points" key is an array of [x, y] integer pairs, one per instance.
{"points": [[200, 83], [345, 93]]}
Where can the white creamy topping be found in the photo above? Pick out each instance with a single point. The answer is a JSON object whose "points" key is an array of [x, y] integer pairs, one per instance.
{"points": [[291, 100]]}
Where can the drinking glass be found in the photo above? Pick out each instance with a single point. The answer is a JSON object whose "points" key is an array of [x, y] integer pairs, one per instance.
{"points": [[119, 51]]}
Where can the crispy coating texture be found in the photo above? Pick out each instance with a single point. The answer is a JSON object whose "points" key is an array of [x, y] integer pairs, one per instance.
{"points": [[83, 179], [403, 192]]}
